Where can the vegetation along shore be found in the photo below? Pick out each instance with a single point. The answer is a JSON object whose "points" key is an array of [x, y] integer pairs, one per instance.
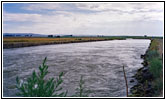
{"points": [[17, 42], [150, 77]]}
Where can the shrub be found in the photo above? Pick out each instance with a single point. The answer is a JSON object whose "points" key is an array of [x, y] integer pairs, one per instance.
{"points": [[156, 67], [152, 54], [37, 86], [154, 44], [158, 84]]}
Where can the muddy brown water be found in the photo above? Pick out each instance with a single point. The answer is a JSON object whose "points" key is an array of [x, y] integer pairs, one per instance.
{"points": [[100, 63]]}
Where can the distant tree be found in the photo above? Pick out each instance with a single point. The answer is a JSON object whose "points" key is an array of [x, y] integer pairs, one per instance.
{"points": [[18, 35], [50, 35], [58, 36], [145, 35]]}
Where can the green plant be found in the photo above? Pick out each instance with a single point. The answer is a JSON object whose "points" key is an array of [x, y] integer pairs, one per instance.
{"points": [[152, 54], [158, 84], [37, 86], [81, 91], [154, 45], [156, 67]]}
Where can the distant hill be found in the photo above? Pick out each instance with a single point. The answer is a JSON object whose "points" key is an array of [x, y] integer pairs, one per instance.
{"points": [[32, 35], [23, 35]]}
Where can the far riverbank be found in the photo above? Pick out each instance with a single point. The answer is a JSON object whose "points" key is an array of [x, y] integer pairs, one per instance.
{"points": [[17, 42]]}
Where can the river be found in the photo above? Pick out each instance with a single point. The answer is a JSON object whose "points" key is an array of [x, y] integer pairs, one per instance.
{"points": [[100, 63]]}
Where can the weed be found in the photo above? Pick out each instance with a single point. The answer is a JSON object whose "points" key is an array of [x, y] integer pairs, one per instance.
{"points": [[36, 86], [152, 54], [155, 67], [81, 91], [154, 45]]}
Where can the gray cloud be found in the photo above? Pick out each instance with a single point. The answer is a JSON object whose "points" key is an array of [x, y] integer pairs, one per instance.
{"points": [[89, 19]]}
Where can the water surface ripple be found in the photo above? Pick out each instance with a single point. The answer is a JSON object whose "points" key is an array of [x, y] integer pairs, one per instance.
{"points": [[100, 63]]}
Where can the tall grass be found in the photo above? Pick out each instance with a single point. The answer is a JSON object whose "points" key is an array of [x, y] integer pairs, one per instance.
{"points": [[154, 45], [155, 66], [158, 85], [152, 54]]}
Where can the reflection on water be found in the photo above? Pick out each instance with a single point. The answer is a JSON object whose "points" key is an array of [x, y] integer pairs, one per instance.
{"points": [[100, 63]]}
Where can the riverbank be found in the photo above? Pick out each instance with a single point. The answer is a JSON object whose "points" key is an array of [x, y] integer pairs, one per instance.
{"points": [[17, 42], [150, 77]]}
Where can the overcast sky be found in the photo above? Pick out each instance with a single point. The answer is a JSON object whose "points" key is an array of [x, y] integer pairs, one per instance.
{"points": [[84, 18]]}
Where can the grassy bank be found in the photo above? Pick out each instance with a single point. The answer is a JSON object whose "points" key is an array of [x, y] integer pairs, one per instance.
{"points": [[155, 62], [150, 77], [16, 42]]}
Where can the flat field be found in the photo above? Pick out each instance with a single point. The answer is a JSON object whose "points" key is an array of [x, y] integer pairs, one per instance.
{"points": [[15, 42]]}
